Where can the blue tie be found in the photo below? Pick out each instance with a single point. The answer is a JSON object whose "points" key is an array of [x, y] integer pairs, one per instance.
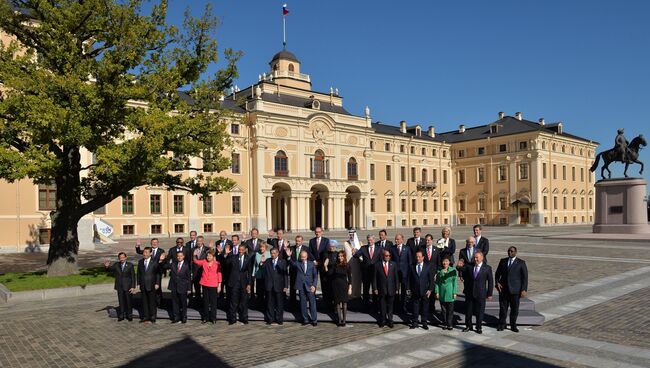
{"points": [[419, 269]]}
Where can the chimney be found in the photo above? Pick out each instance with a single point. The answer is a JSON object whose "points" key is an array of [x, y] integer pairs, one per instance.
{"points": [[461, 128], [402, 126], [560, 130], [518, 115], [541, 121], [502, 114], [431, 132]]}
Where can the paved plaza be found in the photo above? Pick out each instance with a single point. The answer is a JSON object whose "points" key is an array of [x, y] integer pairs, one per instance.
{"points": [[593, 293]]}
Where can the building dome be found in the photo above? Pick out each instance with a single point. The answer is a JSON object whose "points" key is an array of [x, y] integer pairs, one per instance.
{"points": [[285, 55]]}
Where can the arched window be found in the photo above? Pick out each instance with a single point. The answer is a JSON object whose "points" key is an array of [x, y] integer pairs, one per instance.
{"points": [[318, 165], [281, 164], [352, 169], [291, 68]]}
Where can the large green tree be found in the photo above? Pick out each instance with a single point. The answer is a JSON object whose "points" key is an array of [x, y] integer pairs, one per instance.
{"points": [[104, 76]]}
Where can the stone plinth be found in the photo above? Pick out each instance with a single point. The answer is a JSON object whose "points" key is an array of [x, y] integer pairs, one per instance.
{"points": [[621, 206]]}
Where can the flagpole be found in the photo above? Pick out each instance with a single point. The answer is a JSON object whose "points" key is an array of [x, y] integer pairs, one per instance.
{"points": [[284, 31]]}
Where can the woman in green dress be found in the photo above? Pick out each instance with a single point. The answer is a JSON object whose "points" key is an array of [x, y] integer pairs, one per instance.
{"points": [[446, 290]]}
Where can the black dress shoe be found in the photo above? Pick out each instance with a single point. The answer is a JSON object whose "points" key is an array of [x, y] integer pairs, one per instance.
{"points": [[314, 324], [304, 323], [120, 319], [479, 331], [425, 326], [467, 329], [184, 321], [203, 321], [390, 324], [153, 321], [213, 322], [500, 328], [413, 326], [514, 329], [381, 324], [174, 321], [280, 323], [231, 322], [245, 322], [130, 319]]}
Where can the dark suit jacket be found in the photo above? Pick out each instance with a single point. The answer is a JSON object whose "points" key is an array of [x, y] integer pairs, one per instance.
{"points": [[226, 242], [285, 245], [484, 246], [419, 285], [276, 279], [387, 245], [240, 276], [403, 261], [386, 284], [514, 278], [171, 258], [296, 254], [159, 251], [148, 278], [249, 245], [435, 257], [368, 263], [123, 280], [317, 253], [481, 286], [189, 245], [332, 261], [465, 257], [411, 244], [304, 281], [180, 282]]}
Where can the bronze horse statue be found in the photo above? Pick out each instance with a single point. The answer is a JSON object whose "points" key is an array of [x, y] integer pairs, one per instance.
{"points": [[612, 155]]}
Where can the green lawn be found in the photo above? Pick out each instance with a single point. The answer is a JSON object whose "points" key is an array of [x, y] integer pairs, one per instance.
{"points": [[38, 280]]}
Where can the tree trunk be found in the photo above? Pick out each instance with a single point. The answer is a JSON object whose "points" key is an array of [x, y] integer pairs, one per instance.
{"points": [[64, 242]]}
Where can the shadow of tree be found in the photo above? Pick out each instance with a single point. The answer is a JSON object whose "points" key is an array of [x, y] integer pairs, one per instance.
{"points": [[33, 243], [183, 353]]}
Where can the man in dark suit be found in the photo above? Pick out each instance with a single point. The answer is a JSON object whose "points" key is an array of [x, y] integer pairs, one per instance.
{"points": [[149, 282], [253, 242], [306, 283], [482, 243], [318, 244], [385, 285], [223, 241], [192, 242], [124, 273], [401, 255], [431, 252], [200, 250], [156, 251], [421, 286], [179, 248], [416, 242], [295, 251], [281, 243], [276, 279], [449, 244], [478, 286], [180, 283], [239, 283], [369, 255], [467, 253], [383, 241], [512, 283]]}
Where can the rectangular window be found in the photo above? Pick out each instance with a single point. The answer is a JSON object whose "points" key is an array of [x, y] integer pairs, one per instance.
{"points": [[554, 172], [100, 211], [503, 221], [503, 148], [403, 202], [460, 153], [234, 129], [179, 228], [563, 172], [480, 175], [154, 204], [128, 229], [461, 205], [387, 147], [402, 173], [502, 173], [401, 148], [435, 205], [156, 229], [235, 163], [582, 175], [178, 204], [461, 176], [46, 197], [545, 202], [414, 206], [575, 201], [424, 151], [462, 221], [236, 226], [372, 205], [425, 206], [412, 150], [582, 203], [481, 204], [445, 205], [554, 202], [127, 204], [434, 152], [413, 175], [389, 205], [207, 205], [591, 206], [523, 146], [573, 173], [544, 170], [372, 145], [208, 228], [236, 204], [564, 206], [44, 236], [372, 171], [503, 204], [403, 222], [523, 171], [388, 176], [480, 151], [389, 223]]}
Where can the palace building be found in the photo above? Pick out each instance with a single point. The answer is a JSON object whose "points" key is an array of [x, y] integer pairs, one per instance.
{"points": [[300, 160]]}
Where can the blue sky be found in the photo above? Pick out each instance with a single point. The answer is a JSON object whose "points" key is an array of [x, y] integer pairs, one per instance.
{"points": [[444, 63]]}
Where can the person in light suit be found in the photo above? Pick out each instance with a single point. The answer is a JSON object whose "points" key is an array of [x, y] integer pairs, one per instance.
{"points": [[306, 282], [512, 283], [124, 272]]}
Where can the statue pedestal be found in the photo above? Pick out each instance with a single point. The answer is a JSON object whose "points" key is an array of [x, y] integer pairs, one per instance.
{"points": [[621, 207]]}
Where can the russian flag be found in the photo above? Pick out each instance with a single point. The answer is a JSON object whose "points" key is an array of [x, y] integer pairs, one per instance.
{"points": [[285, 11]]}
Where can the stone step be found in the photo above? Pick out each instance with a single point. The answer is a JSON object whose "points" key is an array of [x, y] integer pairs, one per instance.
{"points": [[524, 303]]}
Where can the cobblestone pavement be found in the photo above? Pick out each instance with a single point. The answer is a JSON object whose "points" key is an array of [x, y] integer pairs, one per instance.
{"points": [[594, 295]]}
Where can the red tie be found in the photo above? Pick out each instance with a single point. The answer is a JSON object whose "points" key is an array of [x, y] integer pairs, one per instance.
{"points": [[386, 268], [179, 268], [400, 251], [372, 251], [429, 253]]}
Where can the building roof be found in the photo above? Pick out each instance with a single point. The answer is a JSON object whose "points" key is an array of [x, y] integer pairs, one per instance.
{"points": [[381, 128], [508, 125], [284, 54], [297, 101]]}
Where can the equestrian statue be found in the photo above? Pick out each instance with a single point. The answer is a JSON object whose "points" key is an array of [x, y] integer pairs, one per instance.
{"points": [[623, 151]]}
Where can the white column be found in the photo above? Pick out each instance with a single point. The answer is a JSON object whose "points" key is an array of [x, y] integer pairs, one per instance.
{"points": [[286, 213], [323, 215], [354, 213], [364, 221], [330, 213], [268, 212]]}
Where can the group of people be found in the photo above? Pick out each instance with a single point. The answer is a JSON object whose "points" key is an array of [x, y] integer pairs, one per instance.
{"points": [[405, 275]]}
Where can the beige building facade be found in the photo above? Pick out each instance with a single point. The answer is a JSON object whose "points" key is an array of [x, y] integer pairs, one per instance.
{"points": [[300, 160]]}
